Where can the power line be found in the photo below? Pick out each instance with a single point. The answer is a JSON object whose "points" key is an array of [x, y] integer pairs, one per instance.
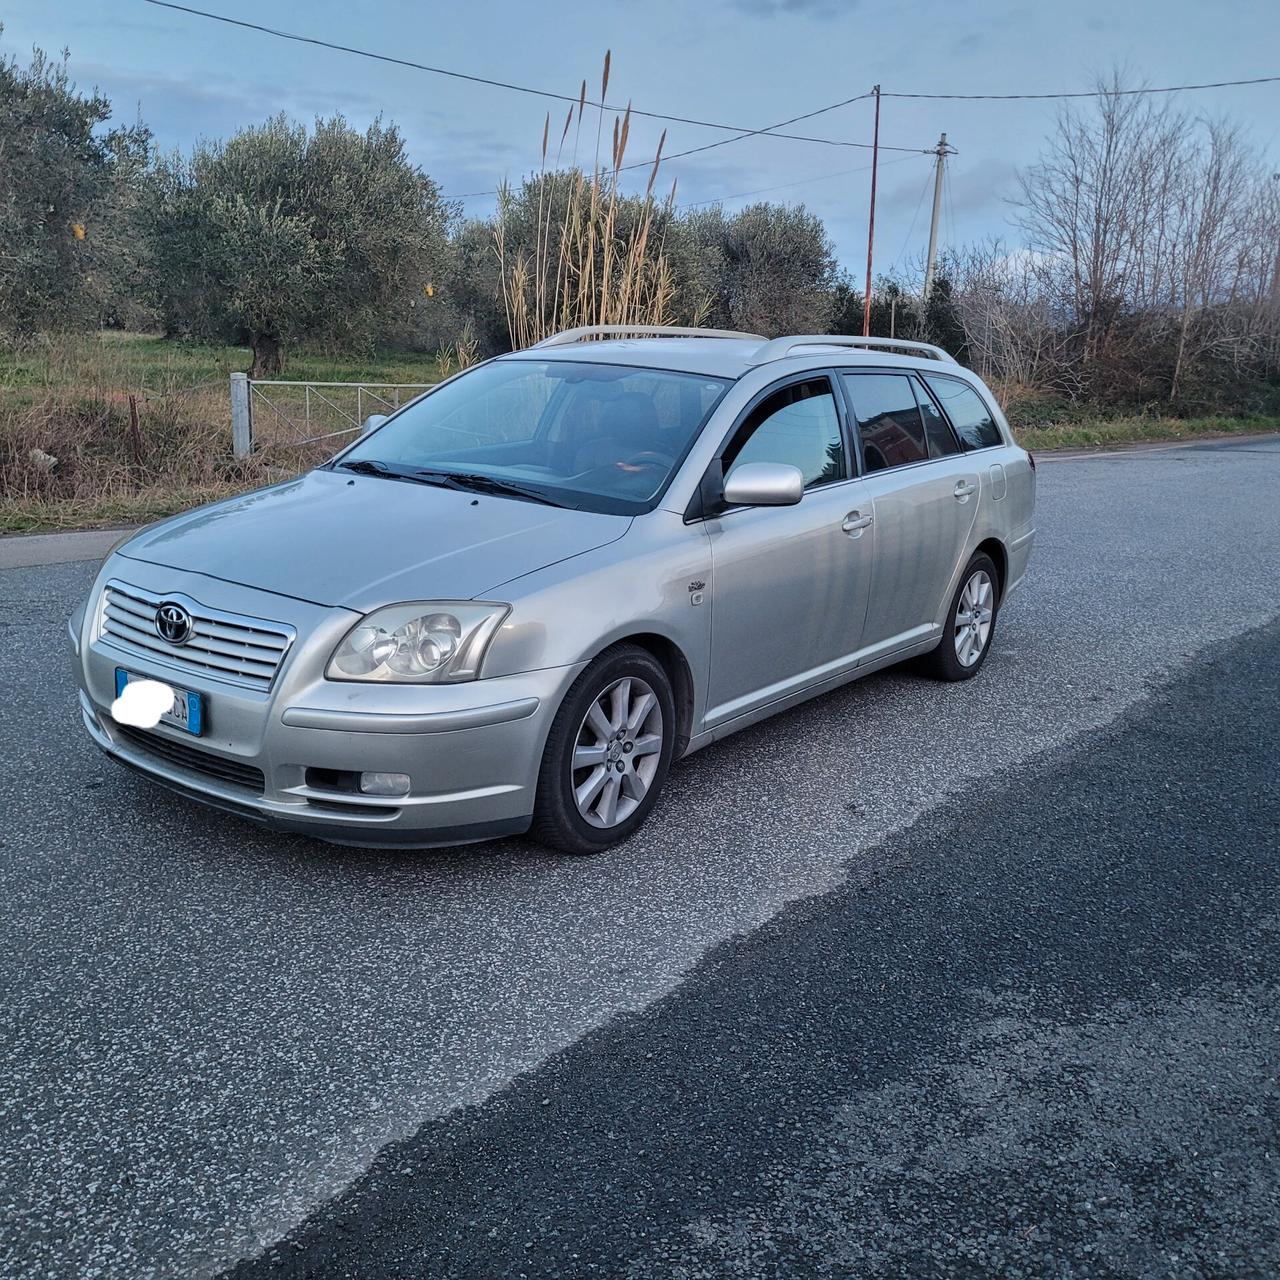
{"points": [[800, 182], [738, 131], [912, 152], [782, 124], [906, 240], [521, 88], [1086, 93], [704, 124], [724, 142]]}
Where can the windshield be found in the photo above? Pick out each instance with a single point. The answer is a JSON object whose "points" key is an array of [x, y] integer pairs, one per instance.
{"points": [[597, 437]]}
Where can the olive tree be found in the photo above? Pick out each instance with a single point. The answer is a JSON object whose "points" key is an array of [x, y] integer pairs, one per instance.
{"points": [[769, 269], [282, 233], [69, 201]]}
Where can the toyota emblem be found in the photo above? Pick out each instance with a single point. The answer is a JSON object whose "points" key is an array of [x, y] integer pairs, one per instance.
{"points": [[173, 623]]}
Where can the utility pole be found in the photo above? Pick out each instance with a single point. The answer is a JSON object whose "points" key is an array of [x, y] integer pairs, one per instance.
{"points": [[942, 151], [871, 221]]}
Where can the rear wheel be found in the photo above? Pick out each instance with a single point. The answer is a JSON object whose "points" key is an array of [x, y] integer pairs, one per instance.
{"points": [[970, 625], [608, 753]]}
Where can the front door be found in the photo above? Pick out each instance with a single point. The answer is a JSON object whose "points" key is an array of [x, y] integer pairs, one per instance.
{"points": [[924, 496], [789, 584]]}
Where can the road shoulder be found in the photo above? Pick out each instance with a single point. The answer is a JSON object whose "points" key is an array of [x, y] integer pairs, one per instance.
{"points": [[27, 550]]}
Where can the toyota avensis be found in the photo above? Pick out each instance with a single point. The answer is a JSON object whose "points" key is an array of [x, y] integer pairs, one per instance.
{"points": [[512, 604]]}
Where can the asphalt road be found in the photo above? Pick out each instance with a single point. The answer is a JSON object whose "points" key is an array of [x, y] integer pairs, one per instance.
{"points": [[978, 977], [1053, 1051]]}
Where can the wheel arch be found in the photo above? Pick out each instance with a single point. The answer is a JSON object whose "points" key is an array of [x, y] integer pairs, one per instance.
{"points": [[672, 659], [994, 548]]}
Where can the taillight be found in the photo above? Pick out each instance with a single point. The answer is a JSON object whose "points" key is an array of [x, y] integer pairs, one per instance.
{"points": [[1031, 458]]}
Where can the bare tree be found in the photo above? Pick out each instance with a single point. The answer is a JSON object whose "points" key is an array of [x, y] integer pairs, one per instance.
{"points": [[1211, 216], [1156, 237], [1095, 201]]}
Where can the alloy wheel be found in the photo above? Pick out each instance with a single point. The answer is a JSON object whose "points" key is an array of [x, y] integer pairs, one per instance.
{"points": [[617, 752], [973, 618]]}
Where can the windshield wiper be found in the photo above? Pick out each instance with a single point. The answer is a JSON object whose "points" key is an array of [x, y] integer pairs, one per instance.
{"points": [[372, 467], [467, 481], [486, 484]]}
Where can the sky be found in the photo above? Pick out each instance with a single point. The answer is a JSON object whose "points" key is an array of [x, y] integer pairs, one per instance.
{"points": [[747, 63]]}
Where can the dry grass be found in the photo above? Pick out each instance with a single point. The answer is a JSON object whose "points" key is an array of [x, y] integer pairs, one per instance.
{"points": [[71, 456], [71, 460]]}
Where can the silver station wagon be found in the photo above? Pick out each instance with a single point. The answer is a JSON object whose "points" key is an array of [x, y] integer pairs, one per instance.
{"points": [[511, 605]]}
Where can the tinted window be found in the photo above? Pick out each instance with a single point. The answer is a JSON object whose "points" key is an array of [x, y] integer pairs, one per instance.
{"points": [[888, 419], [939, 435], [971, 418], [797, 425]]}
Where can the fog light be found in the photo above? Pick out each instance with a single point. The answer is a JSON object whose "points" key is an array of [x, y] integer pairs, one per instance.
{"points": [[384, 784]]}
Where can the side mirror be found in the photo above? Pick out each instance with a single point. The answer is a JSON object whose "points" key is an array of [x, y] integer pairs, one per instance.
{"points": [[764, 484], [373, 422]]}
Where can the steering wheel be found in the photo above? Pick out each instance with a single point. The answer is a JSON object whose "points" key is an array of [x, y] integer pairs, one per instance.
{"points": [[646, 458]]}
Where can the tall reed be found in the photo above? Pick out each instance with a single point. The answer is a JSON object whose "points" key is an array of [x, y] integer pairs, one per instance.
{"points": [[596, 257]]}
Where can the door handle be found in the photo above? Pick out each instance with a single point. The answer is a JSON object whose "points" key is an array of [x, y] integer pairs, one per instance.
{"points": [[963, 489], [854, 523]]}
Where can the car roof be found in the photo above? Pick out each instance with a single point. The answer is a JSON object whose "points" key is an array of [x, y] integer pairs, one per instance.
{"points": [[718, 357]]}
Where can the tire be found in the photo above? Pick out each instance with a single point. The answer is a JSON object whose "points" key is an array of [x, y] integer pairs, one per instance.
{"points": [[572, 811], [956, 658]]}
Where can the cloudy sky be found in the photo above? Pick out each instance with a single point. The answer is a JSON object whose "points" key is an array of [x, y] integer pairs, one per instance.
{"points": [[748, 63]]}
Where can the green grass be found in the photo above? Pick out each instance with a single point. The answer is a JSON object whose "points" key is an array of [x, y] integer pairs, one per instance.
{"points": [[130, 362], [1104, 433]]}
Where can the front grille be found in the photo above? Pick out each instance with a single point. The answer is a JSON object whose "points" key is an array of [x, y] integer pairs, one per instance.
{"points": [[185, 757], [225, 646]]}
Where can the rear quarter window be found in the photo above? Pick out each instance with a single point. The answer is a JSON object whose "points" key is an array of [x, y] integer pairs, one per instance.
{"points": [[969, 416]]}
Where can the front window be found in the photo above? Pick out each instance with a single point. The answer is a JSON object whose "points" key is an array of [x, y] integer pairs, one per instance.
{"points": [[593, 436], [797, 425]]}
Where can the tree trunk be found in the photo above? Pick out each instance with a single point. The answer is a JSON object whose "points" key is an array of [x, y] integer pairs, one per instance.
{"points": [[267, 357]]}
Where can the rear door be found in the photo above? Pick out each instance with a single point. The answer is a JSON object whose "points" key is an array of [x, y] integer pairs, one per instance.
{"points": [[924, 494]]}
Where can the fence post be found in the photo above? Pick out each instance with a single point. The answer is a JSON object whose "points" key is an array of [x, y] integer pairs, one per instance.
{"points": [[241, 416]]}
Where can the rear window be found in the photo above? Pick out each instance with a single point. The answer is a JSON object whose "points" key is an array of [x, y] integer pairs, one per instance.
{"points": [[971, 418], [941, 440], [889, 420]]}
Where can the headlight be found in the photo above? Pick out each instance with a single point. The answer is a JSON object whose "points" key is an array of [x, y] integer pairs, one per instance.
{"points": [[423, 643]]}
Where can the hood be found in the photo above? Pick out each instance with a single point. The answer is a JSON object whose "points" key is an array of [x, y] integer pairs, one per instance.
{"points": [[333, 538]]}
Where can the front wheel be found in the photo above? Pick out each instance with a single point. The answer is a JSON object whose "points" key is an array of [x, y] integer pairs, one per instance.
{"points": [[970, 625], [607, 754]]}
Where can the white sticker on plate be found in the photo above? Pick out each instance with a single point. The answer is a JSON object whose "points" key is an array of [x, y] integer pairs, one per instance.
{"points": [[141, 703]]}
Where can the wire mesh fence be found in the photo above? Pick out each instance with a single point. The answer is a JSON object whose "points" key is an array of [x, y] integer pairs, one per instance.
{"points": [[297, 424]]}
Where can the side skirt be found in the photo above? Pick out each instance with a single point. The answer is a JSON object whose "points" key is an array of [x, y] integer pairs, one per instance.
{"points": [[811, 691]]}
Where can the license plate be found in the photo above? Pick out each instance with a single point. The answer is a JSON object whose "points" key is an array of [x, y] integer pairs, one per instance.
{"points": [[187, 712]]}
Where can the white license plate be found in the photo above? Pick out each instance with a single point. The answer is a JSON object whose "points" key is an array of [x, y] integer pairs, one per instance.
{"points": [[187, 712]]}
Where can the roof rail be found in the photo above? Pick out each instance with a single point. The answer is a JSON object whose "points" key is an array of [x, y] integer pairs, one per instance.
{"points": [[781, 347], [586, 332]]}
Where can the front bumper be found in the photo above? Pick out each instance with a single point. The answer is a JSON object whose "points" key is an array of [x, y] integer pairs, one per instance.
{"points": [[472, 751]]}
